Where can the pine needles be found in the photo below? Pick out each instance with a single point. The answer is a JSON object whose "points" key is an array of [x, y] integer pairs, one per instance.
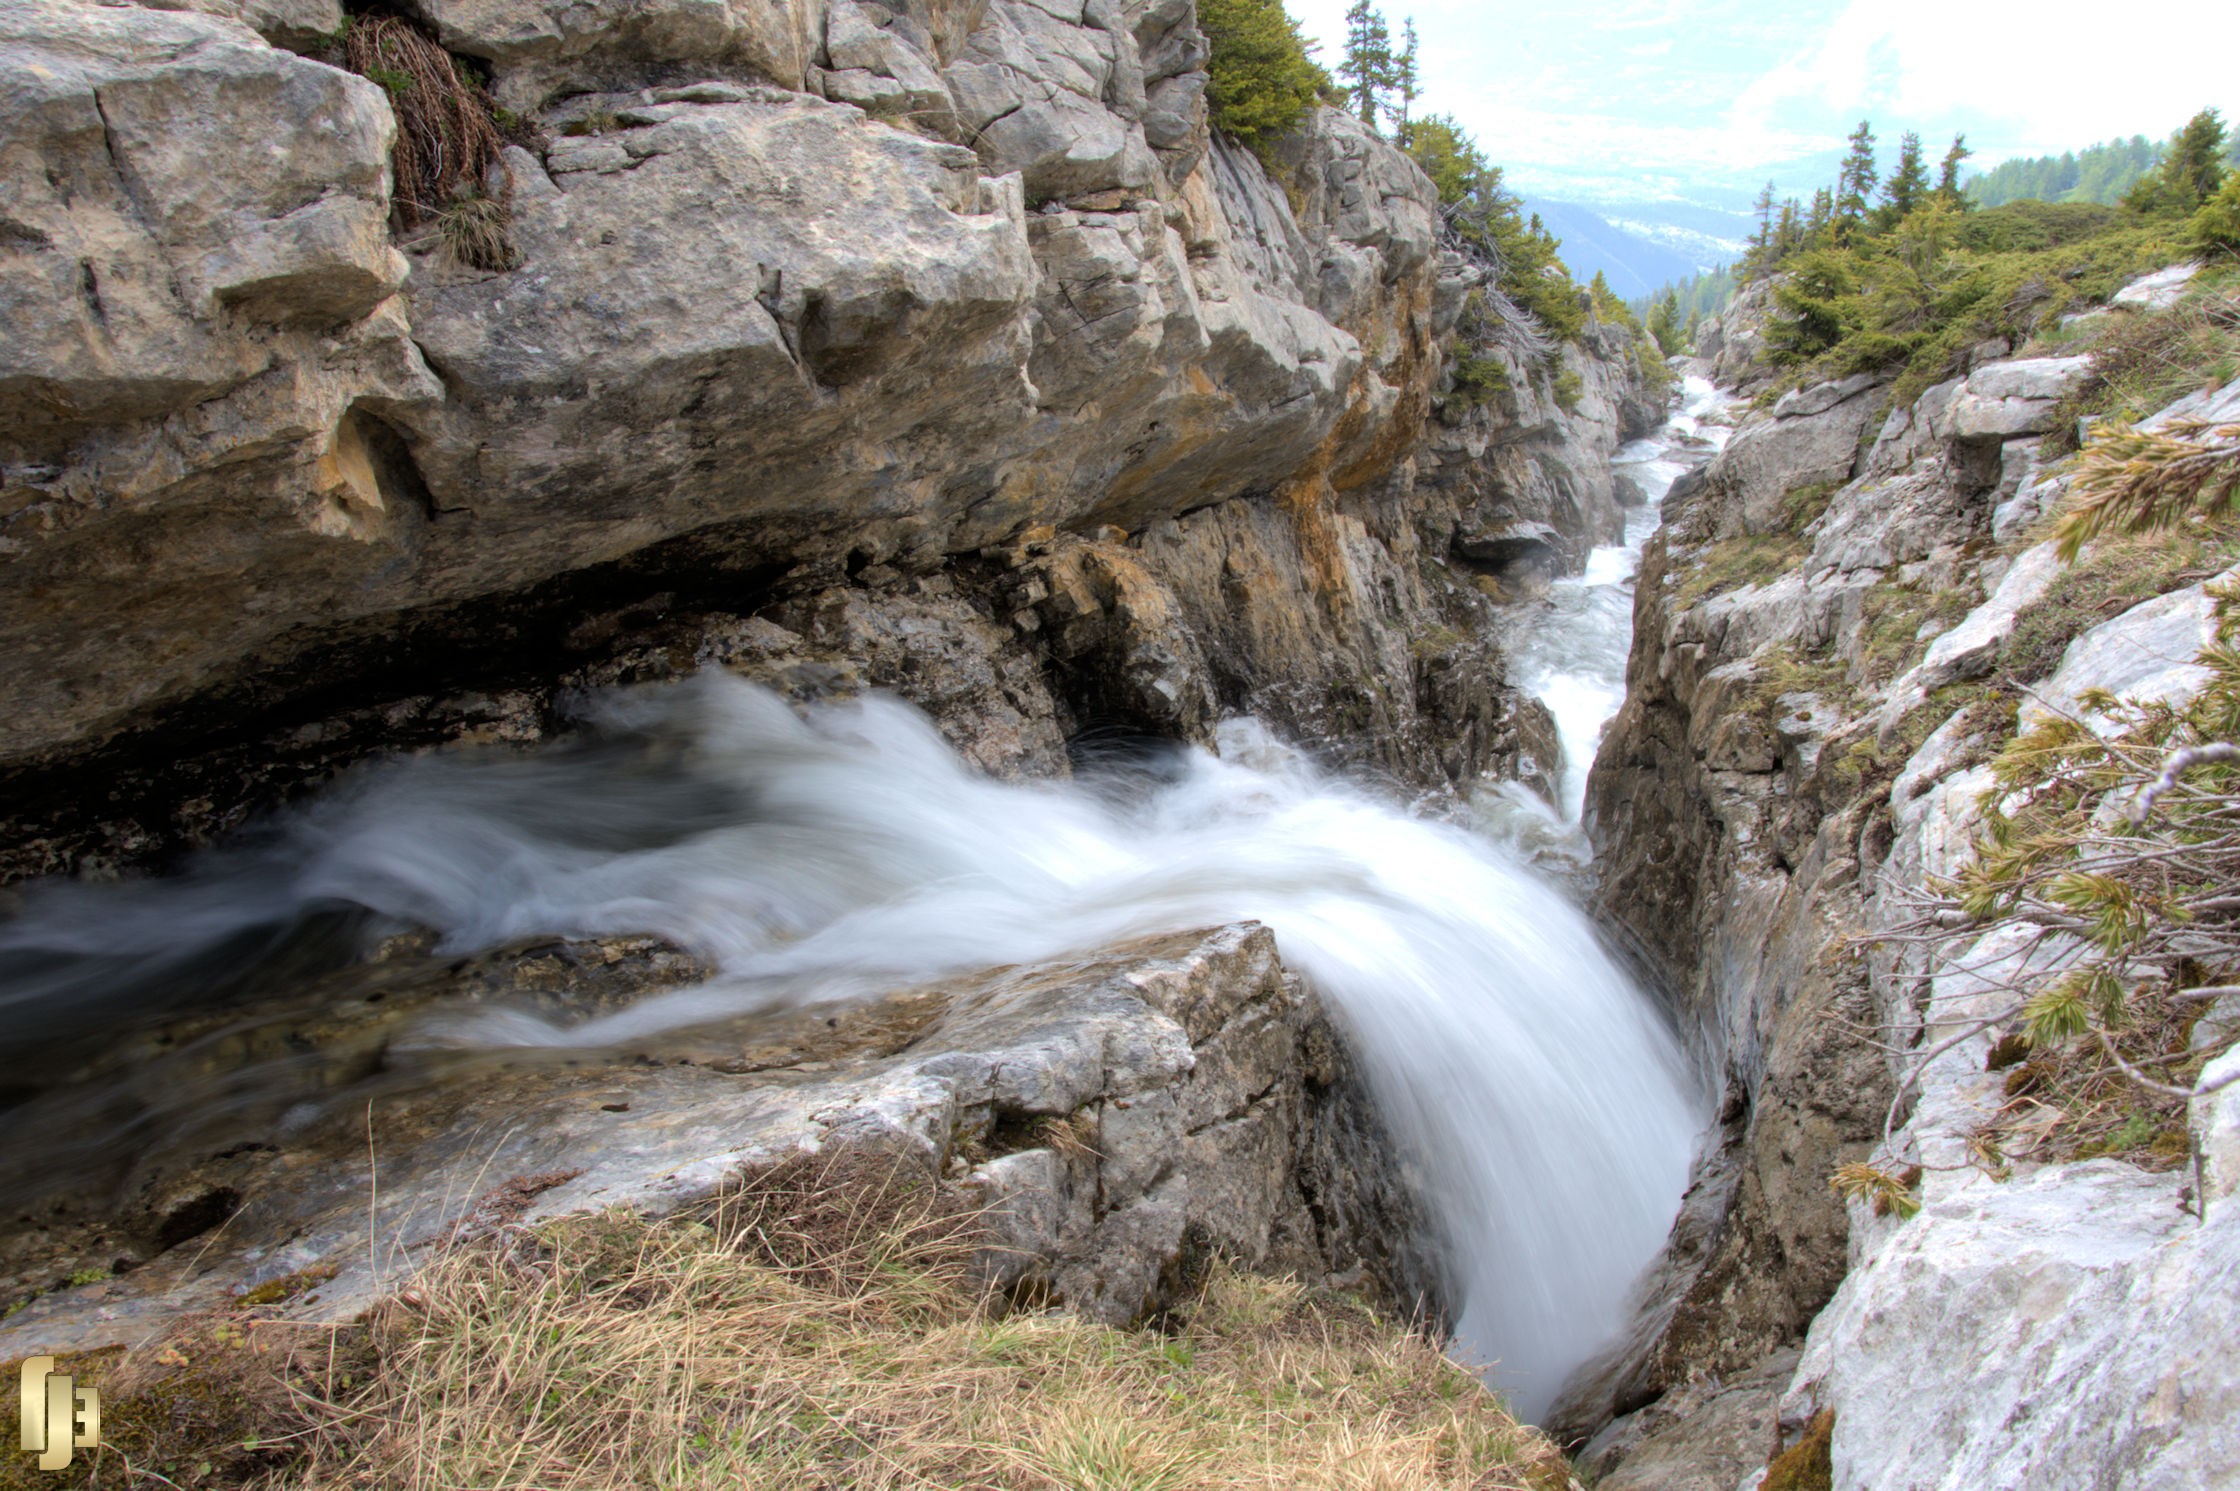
{"points": [[2141, 481], [2098, 921], [448, 162]]}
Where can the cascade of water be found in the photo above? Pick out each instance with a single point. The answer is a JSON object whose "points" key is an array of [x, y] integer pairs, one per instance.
{"points": [[1571, 650], [1541, 1099]]}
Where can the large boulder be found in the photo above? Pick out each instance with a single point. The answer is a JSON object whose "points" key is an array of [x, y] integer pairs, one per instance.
{"points": [[2084, 1302], [757, 338], [1810, 438], [2007, 399], [1111, 1113]]}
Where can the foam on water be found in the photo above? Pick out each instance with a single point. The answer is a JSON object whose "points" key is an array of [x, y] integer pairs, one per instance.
{"points": [[1538, 1093]]}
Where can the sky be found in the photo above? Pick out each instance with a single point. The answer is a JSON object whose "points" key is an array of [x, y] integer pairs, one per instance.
{"points": [[1707, 101]]}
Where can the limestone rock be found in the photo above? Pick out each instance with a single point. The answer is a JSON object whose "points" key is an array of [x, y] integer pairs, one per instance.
{"points": [[1815, 442], [834, 341], [535, 44], [2079, 1301], [2215, 1122], [2145, 654], [299, 25], [2083, 1298], [2157, 291], [1970, 648], [2008, 399], [1139, 1100], [132, 241]]}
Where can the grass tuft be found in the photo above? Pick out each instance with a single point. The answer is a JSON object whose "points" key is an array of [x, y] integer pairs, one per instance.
{"points": [[448, 162], [818, 1327]]}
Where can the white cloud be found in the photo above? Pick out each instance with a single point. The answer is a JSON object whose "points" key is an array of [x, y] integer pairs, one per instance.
{"points": [[1729, 92], [2048, 78]]}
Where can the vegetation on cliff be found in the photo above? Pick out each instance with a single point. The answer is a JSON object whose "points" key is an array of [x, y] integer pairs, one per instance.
{"points": [[819, 1328], [1261, 78], [447, 163], [2111, 852], [1913, 276]]}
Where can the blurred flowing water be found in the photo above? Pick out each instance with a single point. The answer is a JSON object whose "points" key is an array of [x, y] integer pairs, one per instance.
{"points": [[1570, 650], [1543, 1104]]}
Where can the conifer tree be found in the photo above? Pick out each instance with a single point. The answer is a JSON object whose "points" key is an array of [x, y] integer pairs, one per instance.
{"points": [[1948, 174], [1788, 232], [1761, 242], [1405, 79], [1368, 67], [2191, 171], [2195, 167], [1664, 322], [1855, 182], [1908, 186]]}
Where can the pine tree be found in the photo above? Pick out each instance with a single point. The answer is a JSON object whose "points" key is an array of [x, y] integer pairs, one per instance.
{"points": [[1664, 323], [1908, 186], [1261, 80], [1788, 232], [1761, 242], [1822, 212], [2191, 171], [1405, 78], [1948, 174], [2195, 166], [1368, 67], [1855, 181]]}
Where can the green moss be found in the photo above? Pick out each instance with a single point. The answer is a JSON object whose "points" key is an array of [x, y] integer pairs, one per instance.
{"points": [[1566, 389], [1807, 1465], [1731, 563], [287, 1287]]}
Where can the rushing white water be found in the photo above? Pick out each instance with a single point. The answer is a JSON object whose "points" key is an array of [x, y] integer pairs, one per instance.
{"points": [[1571, 649], [1542, 1100]]}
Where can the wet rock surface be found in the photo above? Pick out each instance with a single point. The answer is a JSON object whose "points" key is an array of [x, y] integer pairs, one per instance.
{"points": [[1124, 1117]]}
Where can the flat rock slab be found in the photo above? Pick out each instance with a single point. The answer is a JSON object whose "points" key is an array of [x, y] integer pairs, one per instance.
{"points": [[1173, 1063]]}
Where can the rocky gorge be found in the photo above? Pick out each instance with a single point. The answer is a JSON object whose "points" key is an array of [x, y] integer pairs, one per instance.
{"points": [[457, 778], [932, 351], [1845, 617]]}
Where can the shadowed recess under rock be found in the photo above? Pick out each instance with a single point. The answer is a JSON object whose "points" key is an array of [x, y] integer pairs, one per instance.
{"points": [[1542, 1105]]}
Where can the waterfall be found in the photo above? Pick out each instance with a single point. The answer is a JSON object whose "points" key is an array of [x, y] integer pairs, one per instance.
{"points": [[1540, 1098]]}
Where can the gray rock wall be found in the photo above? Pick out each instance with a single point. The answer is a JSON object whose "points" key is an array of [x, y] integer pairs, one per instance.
{"points": [[1121, 1118], [815, 296], [1771, 790]]}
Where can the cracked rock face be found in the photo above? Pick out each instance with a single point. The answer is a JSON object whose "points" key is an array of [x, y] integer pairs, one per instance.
{"points": [[1757, 807], [1121, 1116], [750, 317], [815, 295]]}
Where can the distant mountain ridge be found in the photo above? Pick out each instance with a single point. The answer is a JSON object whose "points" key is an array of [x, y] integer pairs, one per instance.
{"points": [[1634, 263]]}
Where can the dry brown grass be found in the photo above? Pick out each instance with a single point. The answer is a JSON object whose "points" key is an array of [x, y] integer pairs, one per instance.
{"points": [[447, 163], [821, 1330]]}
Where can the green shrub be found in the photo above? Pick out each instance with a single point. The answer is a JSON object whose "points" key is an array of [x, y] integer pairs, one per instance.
{"points": [[2216, 227], [1481, 212], [1474, 379], [1260, 79]]}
